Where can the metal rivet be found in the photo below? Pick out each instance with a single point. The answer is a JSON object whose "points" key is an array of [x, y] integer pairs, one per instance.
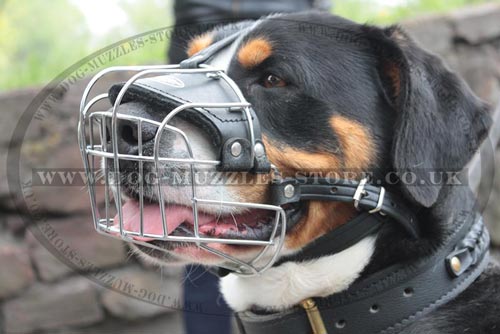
{"points": [[455, 264], [213, 75], [236, 149], [259, 150], [289, 190]]}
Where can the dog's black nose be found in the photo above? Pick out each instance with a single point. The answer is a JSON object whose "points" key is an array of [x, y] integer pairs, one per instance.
{"points": [[131, 133]]}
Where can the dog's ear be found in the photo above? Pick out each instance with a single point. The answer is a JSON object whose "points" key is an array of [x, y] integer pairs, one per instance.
{"points": [[440, 122]]}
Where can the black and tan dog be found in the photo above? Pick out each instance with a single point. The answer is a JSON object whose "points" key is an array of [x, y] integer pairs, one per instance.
{"points": [[334, 95]]}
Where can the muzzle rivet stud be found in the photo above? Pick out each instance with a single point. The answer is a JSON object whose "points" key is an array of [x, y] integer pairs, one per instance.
{"points": [[236, 149], [289, 191], [259, 150], [455, 264], [213, 75]]}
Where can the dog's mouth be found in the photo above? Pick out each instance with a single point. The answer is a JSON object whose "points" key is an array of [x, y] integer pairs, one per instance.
{"points": [[252, 224]]}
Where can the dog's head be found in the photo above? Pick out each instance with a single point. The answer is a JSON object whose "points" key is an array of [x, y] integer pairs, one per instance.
{"points": [[331, 95]]}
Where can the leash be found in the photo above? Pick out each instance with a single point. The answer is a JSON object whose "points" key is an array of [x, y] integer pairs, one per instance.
{"points": [[389, 300]]}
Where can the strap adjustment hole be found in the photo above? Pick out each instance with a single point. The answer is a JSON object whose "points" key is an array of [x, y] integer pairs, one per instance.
{"points": [[408, 292], [340, 324]]}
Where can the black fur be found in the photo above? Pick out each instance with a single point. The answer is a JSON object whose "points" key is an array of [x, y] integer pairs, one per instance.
{"points": [[436, 109], [422, 117]]}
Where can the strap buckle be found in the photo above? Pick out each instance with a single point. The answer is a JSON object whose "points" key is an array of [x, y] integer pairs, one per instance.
{"points": [[380, 202], [360, 192]]}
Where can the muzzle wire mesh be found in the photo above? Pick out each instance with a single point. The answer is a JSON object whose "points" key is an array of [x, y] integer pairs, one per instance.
{"points": [[91, 150]]}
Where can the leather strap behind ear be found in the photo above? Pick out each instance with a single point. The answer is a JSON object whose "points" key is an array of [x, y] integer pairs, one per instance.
{"points": [[202, 56]]}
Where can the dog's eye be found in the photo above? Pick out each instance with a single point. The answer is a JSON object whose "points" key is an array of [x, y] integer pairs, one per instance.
{"points": [[272, 80]]}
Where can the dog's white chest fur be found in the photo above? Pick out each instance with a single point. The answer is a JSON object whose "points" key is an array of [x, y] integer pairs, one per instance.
{"points": [[286, 285]]}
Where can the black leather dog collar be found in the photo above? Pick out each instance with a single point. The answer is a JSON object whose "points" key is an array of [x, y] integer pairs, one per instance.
{"points": [[389, 300]]}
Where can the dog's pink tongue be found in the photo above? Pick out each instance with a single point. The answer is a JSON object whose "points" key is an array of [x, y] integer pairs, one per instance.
{"points": [[175, 215]]}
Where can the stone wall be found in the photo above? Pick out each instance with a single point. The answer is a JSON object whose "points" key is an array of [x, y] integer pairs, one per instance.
{"points": [[39, 293]]}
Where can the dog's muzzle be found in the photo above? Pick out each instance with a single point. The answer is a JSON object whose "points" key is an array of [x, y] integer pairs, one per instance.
{"points": [[204, 97]]}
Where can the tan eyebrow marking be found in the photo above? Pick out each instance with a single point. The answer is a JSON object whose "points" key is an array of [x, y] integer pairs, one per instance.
{"points": [[254, 52], [199, 43]]}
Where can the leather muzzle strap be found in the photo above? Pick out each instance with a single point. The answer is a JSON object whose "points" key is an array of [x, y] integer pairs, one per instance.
{"points": [[365, 197]]}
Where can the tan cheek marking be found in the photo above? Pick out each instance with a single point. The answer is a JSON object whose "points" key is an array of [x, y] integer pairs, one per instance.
{"points": [[199, 43], [289, 159], [321, 218], [254, 52], [251, 187], [356, 142], [254, 188]]}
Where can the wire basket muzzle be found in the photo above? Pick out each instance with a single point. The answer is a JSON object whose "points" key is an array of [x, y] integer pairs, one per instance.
{"points": [[220, 110]]}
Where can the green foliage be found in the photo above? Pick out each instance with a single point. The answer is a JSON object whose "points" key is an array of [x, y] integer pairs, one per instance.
{"points": [[38, 39]]}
